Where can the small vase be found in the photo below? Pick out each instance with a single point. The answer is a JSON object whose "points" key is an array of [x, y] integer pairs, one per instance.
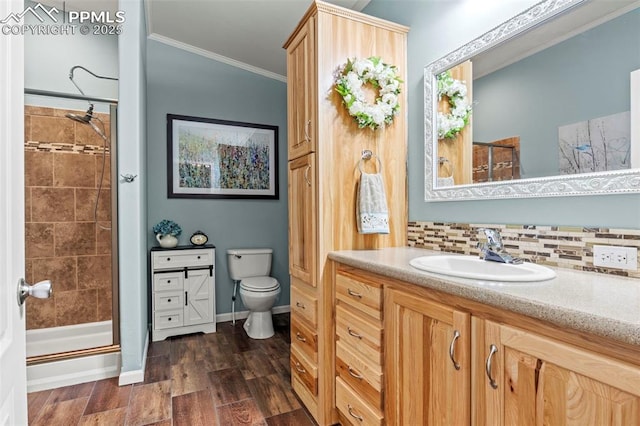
{"points": [[167, 241]]}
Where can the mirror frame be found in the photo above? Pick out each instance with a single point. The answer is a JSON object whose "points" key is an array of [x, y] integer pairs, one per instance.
{"points": [[596, 183]]}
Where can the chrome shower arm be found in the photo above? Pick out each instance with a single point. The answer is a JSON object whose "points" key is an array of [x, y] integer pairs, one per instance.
{"points": [[72, 70]]}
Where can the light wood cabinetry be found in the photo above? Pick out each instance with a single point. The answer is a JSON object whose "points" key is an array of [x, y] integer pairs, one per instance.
{"points": [[324, 148], [427, 358], [183, 291], [359, 343], [522, 378], [452, 361]]}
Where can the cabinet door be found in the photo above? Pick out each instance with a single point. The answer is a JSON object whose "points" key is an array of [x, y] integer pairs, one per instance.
{"points": [[427, 366], [301, 92], [199, 298], [539, 381], [302, 219]]}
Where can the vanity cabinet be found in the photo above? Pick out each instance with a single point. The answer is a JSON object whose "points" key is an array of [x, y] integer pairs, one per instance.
{"points": [[428, 361], [324, 148], [523, 378], [183, 291], [447, 360]]}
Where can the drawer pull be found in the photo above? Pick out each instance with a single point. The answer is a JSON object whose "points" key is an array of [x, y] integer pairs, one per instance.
{"points": [[169, 319], [300, 305], [351, 413], [487, 367], [300, 338], [168, 300], [353, 373], [299, 368], [353, 333], [456, 335], [168, 259], [168, 281], [354, 294]]}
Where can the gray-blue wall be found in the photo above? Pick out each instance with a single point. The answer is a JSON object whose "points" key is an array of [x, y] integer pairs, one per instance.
{"points": [[438, 27], [180, 82], [582, 78]]}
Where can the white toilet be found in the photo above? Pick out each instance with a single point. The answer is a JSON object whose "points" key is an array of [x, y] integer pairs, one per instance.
{"points": [[258, 290]]}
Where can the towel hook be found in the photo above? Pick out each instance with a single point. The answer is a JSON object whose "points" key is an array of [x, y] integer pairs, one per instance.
{"points": [[442, 160], [367, 154]]}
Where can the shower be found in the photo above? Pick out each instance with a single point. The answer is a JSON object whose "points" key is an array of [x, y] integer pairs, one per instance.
{"points": [[88, 118]]}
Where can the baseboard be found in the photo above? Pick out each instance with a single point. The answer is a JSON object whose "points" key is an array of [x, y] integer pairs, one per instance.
{"points": [[68, 372], [243, 314], [135, 376]]}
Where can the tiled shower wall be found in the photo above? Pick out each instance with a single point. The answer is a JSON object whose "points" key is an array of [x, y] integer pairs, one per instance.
{"points": [[560, 246], [63, 164]]}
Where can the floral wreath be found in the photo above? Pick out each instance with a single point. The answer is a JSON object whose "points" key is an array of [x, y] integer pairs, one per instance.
{"points": [[359, 72], [449, 125]]}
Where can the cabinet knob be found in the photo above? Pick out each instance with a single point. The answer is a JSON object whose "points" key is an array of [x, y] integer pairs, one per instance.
{"points": [[169, 319], [168, 281], [168, 259], [198, 257], [168, 300]]}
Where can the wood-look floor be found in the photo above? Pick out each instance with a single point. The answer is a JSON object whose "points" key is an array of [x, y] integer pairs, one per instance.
{"points": [[222, 378]]}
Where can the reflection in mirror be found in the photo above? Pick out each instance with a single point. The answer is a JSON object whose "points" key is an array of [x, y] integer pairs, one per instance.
{"points": [[550, 93]]}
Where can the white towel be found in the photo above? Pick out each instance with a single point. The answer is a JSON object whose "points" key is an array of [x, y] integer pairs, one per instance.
{"points": [[371, 208]]}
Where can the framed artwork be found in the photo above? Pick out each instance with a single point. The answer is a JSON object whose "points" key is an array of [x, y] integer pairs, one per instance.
{"points": [[208, 158]]}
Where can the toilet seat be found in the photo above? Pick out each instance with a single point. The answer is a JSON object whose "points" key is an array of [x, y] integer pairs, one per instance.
{"points": [[259, 284]]}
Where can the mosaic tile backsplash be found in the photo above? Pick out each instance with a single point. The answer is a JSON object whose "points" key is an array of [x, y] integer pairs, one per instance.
{"points": [[558, 246]]}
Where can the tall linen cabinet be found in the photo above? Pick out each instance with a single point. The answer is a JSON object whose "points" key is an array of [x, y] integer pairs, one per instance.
{"points": [[325, 147]]}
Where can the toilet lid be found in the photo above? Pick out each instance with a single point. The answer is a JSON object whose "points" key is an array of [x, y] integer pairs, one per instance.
{"points": [[259, 284]]}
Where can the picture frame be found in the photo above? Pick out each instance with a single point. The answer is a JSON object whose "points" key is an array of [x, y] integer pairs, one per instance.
{"points": [[210, 158]]}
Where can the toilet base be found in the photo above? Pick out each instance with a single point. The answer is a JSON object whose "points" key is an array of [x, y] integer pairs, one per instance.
{"points": [[259, 325]]}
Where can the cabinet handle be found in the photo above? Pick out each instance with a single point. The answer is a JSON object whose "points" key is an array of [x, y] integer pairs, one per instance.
{"points": [[300, 338], [169, 319], [355, 416], [186, 298], [300, 305], [168, 300], [198, 257], [306, 175], [354, 373], [354, 294], [353, 333], [168, 281], [456, 335], [300, 368], [307, 127], [493, 350]]}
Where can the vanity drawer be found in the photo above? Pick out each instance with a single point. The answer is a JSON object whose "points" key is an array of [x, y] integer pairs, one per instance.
{"points": [[304, 370], [304, 305], [354, 409], [168, 319], [168, 300], [163, 281], [304, 338], [362, 296], [362, 336], [362, 376], [182, 258]]}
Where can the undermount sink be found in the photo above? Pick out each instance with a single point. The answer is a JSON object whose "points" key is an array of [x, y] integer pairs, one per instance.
{"points": [[478, 269]]}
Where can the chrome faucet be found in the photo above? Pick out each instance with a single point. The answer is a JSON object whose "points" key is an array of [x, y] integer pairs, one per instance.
{"points": [[493, 250]]}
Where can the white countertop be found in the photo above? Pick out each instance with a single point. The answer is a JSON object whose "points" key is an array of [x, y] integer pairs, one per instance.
{"points": [[604, 305]]}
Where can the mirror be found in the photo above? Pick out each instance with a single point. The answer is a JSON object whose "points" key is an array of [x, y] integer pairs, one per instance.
{"points": [[554, 95]]}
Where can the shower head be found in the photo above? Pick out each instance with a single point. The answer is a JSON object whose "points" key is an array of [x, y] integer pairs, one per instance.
{"points": [[86, 119]]}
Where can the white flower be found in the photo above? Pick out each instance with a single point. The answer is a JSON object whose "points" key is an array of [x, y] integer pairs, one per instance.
{"points": [[381, 76], [449, 125]]}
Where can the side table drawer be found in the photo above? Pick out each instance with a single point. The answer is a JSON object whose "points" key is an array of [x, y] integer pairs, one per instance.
{"points": [[182, 258], [163, 281], [168, 319], [168, 300]]}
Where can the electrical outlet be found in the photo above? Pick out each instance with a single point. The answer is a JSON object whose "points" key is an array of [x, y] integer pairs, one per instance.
{"points": [[615, 257]]}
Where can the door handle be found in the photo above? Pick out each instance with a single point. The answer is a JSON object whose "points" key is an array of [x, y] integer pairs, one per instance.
{"points": [[40, 290]]}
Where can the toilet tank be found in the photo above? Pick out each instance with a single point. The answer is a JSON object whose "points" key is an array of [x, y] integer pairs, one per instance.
{"points": [[245, 263]]}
